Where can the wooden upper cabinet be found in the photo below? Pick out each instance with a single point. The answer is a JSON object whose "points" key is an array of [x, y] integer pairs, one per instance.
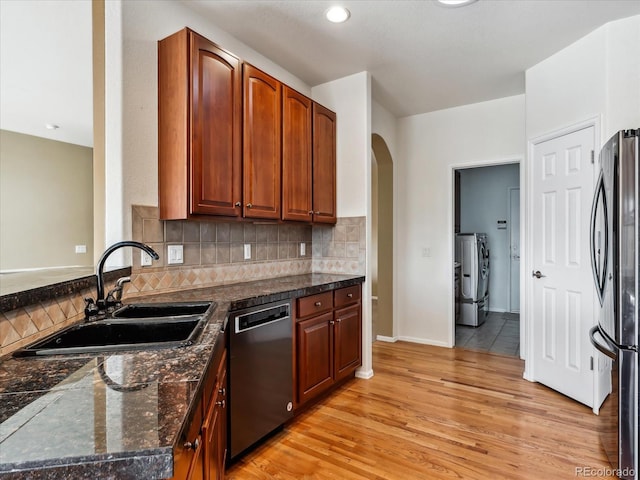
{"points": [[324, 165], [199, 128], [262, 144], [296, 156]]}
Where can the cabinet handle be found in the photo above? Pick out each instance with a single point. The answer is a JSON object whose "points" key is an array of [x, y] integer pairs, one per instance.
{"points": [[192, 446], [222, 391], [249, 205], [238, 204], [318, 304], [310, 212], [331, 322], [221, 403], [317, 213], [338, 320], [350, 295]]}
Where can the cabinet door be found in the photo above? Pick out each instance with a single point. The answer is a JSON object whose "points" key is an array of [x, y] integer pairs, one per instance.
{"points": [[324, 165], [348, 340], [188, 456], [314, 338], [214, 428], [196, 472], [220, 428], [296, 156], [262, 144], [216, 101]]}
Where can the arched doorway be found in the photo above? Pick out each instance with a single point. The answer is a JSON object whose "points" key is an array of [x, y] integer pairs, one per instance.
{"points": [[382, 239]]}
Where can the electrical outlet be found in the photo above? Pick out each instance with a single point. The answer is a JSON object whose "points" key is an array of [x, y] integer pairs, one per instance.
{"points": [[81, 249], [247, 251], [426, 252], [145, 259], [303, 249], [174, 254]]}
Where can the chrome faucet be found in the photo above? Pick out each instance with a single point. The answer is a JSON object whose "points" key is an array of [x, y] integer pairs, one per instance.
{"points": [[102, 303]]}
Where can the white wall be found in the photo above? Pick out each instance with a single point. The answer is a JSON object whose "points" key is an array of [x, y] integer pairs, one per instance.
{"points": [[597, 76], [484, 199], [132, 32], [46, 205], [350, 98], [623, 75], [429, 147]]}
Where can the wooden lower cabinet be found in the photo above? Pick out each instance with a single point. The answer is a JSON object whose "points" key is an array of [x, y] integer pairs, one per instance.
{"points": [[215, 430], [202, 450], [328, 345], [315, 355], [347, 341]]}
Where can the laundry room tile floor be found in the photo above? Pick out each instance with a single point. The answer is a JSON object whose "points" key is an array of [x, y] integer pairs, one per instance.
{"points": [[500, 333]]}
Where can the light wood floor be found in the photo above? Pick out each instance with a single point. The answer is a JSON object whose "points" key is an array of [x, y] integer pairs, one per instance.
{"points": [[434, 413]]}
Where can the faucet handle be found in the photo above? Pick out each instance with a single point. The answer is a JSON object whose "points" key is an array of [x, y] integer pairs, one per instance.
{"points": [[90, 309], [115, 295]]}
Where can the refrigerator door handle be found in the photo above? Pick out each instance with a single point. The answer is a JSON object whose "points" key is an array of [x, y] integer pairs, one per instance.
{"points": [[610, 351], [599, 251]]}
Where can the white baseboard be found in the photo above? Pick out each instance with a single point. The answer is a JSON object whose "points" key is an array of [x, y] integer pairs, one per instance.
{"points": [[498, 310], [383, 338], [424, 341], [364, 374]]}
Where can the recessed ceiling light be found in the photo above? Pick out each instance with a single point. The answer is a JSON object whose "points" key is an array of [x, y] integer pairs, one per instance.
{"points": [[456, 3], [337, 14], [52, 126]]}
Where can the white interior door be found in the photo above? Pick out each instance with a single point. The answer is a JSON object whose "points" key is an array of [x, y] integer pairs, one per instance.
{"points": [[563, 293], [514, 250]]}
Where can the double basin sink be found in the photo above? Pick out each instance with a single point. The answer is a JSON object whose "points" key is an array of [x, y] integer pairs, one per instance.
{"points": [[131, 327]]}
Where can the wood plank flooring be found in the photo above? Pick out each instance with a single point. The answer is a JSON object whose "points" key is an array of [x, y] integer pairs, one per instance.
{"points": [[434, 413]]}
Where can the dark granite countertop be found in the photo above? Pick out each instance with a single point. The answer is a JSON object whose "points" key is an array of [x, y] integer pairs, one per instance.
{"points": [[60, 419]]}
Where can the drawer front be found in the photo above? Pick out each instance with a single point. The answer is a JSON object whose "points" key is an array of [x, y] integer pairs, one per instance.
{"points": [[314, 304], [347, 296]]}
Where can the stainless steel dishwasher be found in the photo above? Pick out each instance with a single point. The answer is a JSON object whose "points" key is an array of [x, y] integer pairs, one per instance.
{"points": [[260, 373]]}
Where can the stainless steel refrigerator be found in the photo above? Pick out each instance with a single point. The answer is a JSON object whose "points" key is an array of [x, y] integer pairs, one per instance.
{"points": [[472, 252], [615, 258]]}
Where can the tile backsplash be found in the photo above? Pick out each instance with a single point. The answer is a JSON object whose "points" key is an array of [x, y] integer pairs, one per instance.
{"points": [[213, 255]]}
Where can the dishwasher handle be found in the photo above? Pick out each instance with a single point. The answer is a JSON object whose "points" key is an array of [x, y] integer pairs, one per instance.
{"points": [[260, 318], [609, 350]]}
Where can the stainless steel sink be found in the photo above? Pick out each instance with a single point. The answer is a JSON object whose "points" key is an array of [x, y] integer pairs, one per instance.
{"points": [[133, 327]]}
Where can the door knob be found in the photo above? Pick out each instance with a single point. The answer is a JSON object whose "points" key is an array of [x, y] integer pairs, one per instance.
{"points": [[537, 274]]}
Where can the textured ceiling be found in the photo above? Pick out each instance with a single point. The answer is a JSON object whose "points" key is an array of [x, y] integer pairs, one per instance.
{"points": [[422, 56]]}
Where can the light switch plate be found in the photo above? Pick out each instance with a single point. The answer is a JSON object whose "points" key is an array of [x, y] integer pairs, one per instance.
{"points": [[145, 259], [303, 249], [174, 254], [247, 251]]}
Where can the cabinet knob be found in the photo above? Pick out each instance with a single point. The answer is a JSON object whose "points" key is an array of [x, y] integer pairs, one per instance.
{"points": [[192, 446], [221, 403], [338, 320], [318, 304], [310, 212], [222, 391], [331, 322], [238, 204], [249, 205], [317, 213], [350, 295]]}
